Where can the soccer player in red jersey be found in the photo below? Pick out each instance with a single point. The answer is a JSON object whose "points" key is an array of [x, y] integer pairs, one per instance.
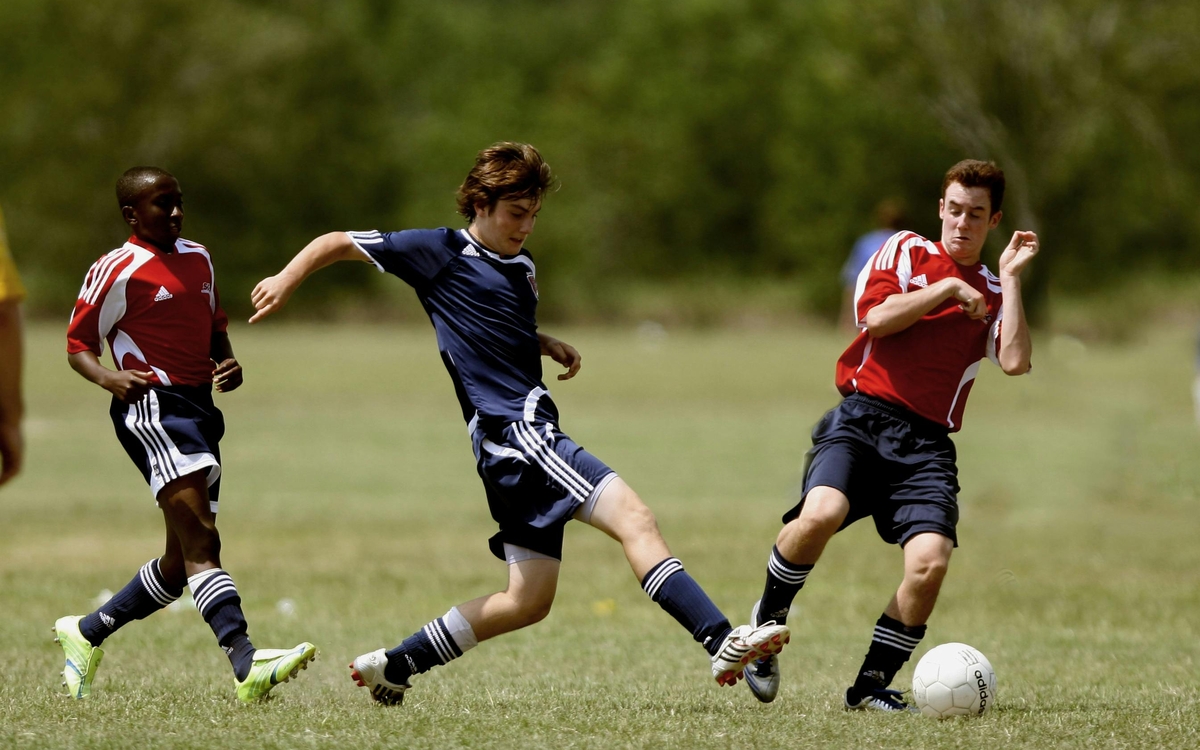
{"points": [[928, 314], [154, 301]]}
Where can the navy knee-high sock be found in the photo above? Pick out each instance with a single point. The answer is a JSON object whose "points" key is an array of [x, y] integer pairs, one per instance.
{"points": [[891, 645], [670, 586], [147, 593], [784, 581], [221, 607]]}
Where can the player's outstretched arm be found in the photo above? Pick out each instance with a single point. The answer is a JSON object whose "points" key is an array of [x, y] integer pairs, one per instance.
{"points": [[900, 311], [1016, 347], [127, 385], [273, 292], [562, 353]]}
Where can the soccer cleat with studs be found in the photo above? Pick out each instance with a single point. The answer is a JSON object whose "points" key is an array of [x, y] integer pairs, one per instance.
{"points": [[744, 644], [368, 671], [762, 677], [272, 666], [888, 701], [82, 658]]}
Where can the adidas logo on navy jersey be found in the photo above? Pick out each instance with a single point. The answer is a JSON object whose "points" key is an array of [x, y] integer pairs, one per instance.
{"points": [[920, 281], [162, 294], [468, 250]]}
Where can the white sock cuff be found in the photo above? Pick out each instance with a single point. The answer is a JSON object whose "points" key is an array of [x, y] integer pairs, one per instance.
{"points": [[460, 630]]}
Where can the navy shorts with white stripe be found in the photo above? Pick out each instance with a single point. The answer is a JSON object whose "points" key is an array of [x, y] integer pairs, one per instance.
{"points": [[172, 431], [536, 478]]}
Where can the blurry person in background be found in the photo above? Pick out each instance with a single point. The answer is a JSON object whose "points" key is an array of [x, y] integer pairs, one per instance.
{"points": [[1196, 384], [12, 407], [889, 218]]}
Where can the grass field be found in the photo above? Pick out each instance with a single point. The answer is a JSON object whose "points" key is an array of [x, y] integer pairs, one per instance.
{"points": [[350, 490]]}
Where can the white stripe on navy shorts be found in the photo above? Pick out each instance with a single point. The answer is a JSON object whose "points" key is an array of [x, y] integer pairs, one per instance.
{"points": [[536, 478], [172, 431]]}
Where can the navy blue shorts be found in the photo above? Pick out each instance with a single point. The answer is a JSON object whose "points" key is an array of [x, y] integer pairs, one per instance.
{"points": [[891, 464], [172, 431], [536, 478]]}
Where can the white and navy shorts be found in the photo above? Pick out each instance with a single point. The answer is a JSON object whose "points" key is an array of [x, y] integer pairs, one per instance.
{"points": [[172, 431], [536, 479]]}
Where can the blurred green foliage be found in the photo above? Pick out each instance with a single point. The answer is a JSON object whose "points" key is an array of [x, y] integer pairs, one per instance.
{"points": [[693, 139]]}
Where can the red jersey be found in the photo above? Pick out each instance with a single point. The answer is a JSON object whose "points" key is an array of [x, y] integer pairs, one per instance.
{"points": [[158, 311], [927, 368]]}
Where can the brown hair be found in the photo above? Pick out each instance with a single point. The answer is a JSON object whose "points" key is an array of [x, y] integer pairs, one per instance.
{"points": [[974, 173], [504, 171]]}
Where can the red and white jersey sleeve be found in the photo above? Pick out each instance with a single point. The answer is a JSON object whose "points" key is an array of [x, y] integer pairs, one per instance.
{"points": [[929, 367], [157, 311]]}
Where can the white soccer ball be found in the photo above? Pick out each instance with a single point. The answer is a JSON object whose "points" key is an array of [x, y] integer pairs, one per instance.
{"points": [[954, 679]]}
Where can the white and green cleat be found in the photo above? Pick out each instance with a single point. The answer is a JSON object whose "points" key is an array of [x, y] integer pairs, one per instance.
{"points": [[82, 657], [272, 666]]}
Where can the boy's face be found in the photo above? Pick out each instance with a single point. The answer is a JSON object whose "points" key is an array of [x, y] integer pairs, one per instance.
{"points": [[966, 214], [156, 216], [504, 227]]}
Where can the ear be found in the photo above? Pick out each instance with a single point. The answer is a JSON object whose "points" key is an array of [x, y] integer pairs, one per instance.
{"points": [[129, 216], [941, 208], [482, 209], [995, 220]]}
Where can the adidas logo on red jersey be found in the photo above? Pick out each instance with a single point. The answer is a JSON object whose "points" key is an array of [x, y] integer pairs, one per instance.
{"points": [[162, 294], [920, 281]]}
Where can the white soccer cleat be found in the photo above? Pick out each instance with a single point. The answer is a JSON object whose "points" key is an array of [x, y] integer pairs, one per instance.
{"points": [[368, 671], [762, 677], [745, 644]]}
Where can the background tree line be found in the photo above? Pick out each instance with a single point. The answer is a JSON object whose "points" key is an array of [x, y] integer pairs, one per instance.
{"points": [[695, 139]]}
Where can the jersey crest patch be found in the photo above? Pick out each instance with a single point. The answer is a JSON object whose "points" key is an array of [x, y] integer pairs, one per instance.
{"points": [[533, 283]]}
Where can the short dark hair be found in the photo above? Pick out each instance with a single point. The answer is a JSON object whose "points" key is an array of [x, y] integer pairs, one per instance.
{"points": [[130, 184], [504, 171], [974, 173]]}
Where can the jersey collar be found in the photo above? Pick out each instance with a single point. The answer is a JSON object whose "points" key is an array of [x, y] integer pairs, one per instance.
{"points": [[133, 240], [518, 258]]}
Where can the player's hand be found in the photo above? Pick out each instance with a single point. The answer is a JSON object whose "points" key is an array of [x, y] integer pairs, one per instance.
{"points": [[970, 299], [227, 376], [129, 386], [12, 450], [562, 353], [1020, 250], [270, 295]]}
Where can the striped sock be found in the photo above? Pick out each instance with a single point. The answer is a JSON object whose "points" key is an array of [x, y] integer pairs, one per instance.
{"points": [[784, 581], [440, 642], [147, 593], [219, 604], [891, 645], [670, 586]]}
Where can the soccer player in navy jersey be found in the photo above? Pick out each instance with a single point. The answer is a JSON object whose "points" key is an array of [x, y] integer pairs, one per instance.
{"points": [[479, 287], [154, 301], [928, 314]]}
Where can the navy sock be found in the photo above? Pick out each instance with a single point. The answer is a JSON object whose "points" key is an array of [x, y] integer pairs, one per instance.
{"points": [[784, 581], [147, 593], [425, 649], [220, 605], [891, 645], [670, 586]]}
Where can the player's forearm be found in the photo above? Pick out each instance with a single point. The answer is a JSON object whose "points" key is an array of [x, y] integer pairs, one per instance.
{"points": [[12, 406], [321, 252], [901, 310], [1016, 345], [221, 349], [87, 364]]}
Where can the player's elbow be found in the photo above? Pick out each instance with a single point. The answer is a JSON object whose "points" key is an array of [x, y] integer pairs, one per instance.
{"points": [[1015, 365]]}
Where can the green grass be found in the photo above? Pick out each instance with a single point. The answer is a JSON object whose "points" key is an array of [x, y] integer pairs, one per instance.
{"points": [[350, 489]]}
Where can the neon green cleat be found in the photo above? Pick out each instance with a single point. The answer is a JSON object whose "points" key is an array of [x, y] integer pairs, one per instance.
{"points": [[272, 666], [82, 656]]}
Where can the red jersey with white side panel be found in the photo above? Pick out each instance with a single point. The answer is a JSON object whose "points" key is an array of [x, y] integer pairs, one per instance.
{"points": [[157, 311], [927, 368]]}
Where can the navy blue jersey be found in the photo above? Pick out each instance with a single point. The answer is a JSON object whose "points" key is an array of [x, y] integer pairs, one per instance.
{"points": [[483, 307]]}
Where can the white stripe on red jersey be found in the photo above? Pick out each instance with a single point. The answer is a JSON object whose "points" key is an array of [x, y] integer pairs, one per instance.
{"points": [[157, 311], [929, 367]]}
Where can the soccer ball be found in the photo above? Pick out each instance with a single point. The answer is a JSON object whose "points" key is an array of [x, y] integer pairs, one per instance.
{"points": [[954, 679]]}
